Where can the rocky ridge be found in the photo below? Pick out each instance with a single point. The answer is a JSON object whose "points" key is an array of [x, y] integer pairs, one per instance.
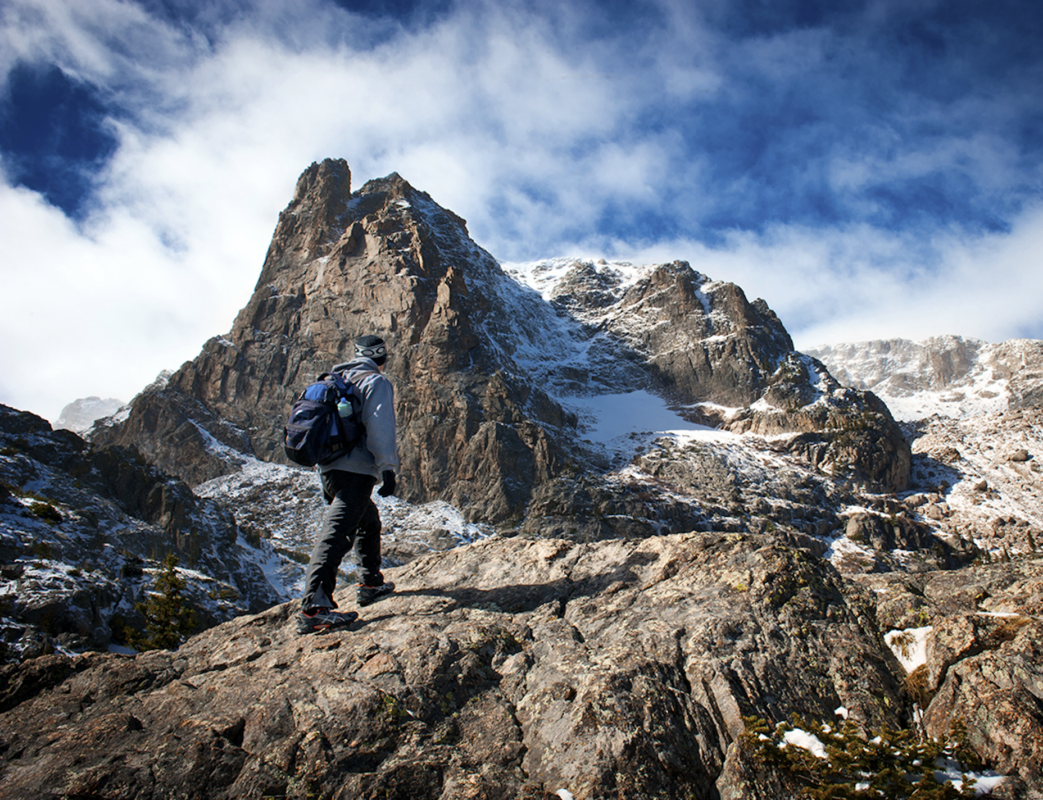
{"points": [[515, 668], [949, 376]]}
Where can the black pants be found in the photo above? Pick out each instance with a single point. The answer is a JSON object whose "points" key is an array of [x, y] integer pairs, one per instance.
{"points": [[351, 518]]}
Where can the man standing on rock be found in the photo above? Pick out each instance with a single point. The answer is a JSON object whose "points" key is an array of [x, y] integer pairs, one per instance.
{"points": [[347, 484]]}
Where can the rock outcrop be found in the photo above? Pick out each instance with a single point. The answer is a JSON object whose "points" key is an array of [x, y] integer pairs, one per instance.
{"points": [[82, 529], [695, 339], [983, 666], [982, 478], [500, 668], [844, 432]]}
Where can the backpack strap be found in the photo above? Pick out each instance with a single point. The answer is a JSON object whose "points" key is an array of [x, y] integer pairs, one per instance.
{"points": [[338, 380], [344, 389]]}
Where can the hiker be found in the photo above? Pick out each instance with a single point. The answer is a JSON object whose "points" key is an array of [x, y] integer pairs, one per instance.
{"points": [[347, 485]]}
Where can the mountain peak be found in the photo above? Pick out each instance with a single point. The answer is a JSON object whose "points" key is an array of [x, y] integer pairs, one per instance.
{"points": [[490, 376], [323, 181]]}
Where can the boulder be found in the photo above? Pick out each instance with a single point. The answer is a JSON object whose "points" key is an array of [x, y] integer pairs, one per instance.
{"points": [[982, 669]]}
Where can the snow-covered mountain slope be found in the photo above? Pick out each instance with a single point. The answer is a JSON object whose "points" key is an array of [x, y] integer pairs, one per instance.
{"points": [[577, 360], [982, 478], [80, 415], [572, 335], [592, 336], [973, 417], [974, 430], [949, 376]]}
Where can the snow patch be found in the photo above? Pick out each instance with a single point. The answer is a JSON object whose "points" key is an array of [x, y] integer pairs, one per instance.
{"points": [[909, 646], [611, 419], [805, 741]]}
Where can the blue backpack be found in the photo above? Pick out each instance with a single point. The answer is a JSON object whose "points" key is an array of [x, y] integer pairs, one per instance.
{"points": [[324, 422]]}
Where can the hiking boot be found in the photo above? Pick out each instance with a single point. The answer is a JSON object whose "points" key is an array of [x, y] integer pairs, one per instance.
{"points": [[370, 594], [324, 619]]}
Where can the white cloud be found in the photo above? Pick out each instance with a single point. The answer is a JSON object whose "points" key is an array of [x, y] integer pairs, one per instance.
{"points": [[106, 41], [91, 315], [188, 203], [854, 284]]}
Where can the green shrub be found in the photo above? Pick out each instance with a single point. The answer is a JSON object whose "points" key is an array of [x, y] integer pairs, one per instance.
{"points": [[894, 764], [46, 512], [42, 550]]}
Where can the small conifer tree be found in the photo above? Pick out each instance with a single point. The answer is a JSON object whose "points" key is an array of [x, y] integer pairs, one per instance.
{"points": [[169, 615]]}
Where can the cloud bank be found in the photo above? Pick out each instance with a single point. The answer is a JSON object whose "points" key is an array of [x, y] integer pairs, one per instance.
{"points": [[870, 172]]}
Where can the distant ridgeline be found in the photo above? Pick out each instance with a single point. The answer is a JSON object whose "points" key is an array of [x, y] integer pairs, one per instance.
{"points": [[81, 414]]}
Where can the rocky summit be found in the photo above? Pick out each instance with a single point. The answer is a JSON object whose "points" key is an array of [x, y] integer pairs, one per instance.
{"points": [[645, 549]]}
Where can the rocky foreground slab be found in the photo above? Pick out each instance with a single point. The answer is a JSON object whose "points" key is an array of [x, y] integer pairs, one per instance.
{"points": [[514, 668]]}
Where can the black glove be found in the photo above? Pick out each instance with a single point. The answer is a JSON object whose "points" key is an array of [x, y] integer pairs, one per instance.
{"points": [[388, 487]]}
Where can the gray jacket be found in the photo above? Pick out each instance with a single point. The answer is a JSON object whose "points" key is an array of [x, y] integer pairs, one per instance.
{"points": [[379, 448]]}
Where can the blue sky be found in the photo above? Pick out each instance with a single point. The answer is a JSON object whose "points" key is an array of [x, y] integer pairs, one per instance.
{"points": [[871, 169]]}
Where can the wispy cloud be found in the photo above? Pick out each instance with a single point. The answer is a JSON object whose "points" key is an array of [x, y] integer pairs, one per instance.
{"points": [[859, 282], [856, 169]]}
